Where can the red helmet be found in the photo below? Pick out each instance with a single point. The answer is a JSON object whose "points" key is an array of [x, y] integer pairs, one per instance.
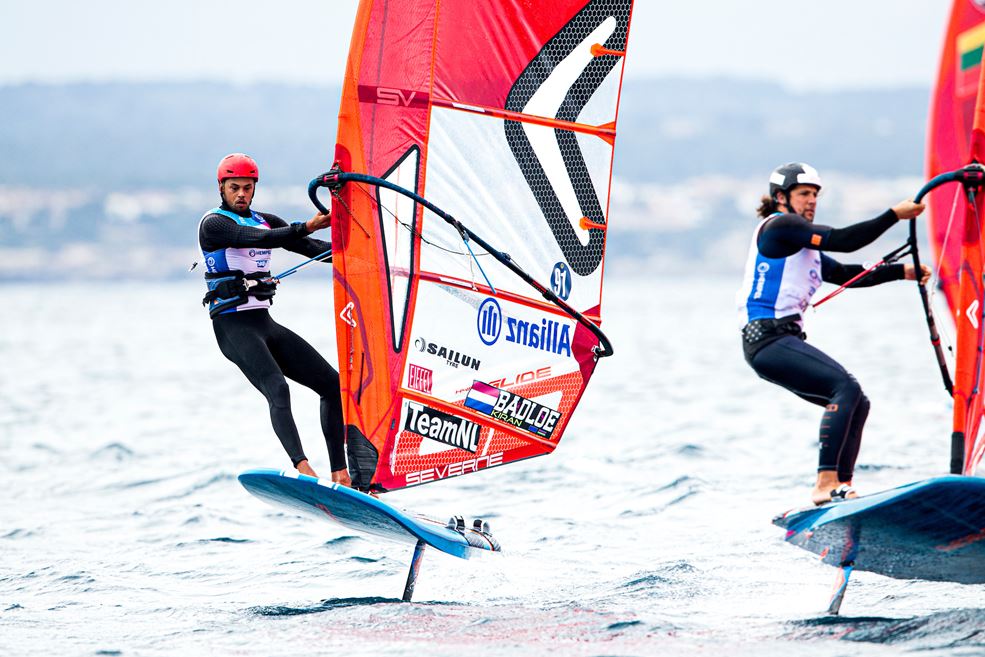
{"points": [[237, 165]]}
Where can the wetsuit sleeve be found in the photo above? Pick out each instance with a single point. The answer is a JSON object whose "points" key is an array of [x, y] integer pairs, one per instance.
{"points": [[302, 243], [786, 234], [219, 232], [835, 272]]}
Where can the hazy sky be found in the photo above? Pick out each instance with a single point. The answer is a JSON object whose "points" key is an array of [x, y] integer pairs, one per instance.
{"points": [[826, 43]]}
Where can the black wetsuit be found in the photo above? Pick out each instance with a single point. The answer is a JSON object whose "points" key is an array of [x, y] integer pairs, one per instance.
{"points": [[777, 349], [264, 350]]}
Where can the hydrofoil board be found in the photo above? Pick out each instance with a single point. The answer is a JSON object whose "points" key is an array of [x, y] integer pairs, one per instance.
{"points": [[364, 513], [932, 529]]}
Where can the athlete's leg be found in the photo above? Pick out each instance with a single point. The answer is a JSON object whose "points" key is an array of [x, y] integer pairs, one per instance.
{"points": [[241, 339], [302, 363], [814, 376], [846, 464]]}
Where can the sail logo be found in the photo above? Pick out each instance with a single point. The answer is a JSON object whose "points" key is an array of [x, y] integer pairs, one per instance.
{"points": [[454, 469], [549, 335], [442, 427], [385, 96], [392, 96], [420, 379], [515, 380], [522, 377], [450, 356], [512, 409], [346, 315], [490, 321]]}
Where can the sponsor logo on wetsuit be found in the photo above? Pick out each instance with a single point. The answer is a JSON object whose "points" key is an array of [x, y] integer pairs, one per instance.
{"points": [[512, 409], [548, 335], [442, 427], [261, 256], [762, 268], [420, 378], [450, 356]]}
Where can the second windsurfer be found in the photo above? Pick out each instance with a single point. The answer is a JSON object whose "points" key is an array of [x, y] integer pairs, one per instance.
{"points": [[784, 269]]}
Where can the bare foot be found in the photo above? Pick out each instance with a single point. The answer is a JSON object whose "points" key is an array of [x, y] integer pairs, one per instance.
{"points": [[342, 477], [840, 493], [305, 469], [828, 488]]}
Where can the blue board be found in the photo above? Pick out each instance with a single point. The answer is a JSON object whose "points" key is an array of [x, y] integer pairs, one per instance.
{"points": [[932, 530], [361, 512]]}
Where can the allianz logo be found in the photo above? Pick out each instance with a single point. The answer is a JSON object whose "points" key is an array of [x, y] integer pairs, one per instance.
{"points": [[548, 335]]}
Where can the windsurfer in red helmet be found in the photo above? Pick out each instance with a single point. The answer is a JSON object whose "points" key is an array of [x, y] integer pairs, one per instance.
{"points": [[784, 269], [236, 243]]}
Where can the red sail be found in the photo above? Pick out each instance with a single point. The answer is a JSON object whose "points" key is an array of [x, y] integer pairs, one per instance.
{"points": [[502, 113], [956, 138], [949, 136]]}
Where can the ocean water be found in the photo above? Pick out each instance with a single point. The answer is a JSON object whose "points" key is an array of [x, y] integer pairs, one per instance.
{"points": [[123, 530]]}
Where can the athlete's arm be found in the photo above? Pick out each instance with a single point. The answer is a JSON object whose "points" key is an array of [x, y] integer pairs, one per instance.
{"points": [[219, 232], [835, 272], [786, 234], [306, 246]]}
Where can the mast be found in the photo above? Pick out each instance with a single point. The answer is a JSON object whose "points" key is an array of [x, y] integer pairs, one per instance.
{"points": [[970, 315]]}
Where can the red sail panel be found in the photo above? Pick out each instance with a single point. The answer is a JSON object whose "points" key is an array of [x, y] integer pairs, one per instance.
{"points": [[971, 334], [503, 114], [957, 138], [968, 359], [949, 137]]}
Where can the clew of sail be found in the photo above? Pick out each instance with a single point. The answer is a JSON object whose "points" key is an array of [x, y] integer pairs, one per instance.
{"points": [[956, 139], [471, 127]]}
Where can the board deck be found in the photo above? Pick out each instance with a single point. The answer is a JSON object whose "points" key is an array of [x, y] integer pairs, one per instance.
{"points": [[327, 500], [932, 530]]}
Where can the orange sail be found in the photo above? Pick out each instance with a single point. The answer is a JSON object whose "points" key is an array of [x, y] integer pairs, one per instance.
{"points": [[493, 118]]}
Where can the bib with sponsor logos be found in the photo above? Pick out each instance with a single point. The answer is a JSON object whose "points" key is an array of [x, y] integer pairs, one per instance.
{"points": [[777, 287], [247, 260]]}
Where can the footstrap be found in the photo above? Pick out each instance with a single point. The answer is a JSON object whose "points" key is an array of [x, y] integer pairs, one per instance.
{"points": [[841, 493]]}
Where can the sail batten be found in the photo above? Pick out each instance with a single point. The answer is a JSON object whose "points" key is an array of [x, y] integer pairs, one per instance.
{"points": [[605, 131]]}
